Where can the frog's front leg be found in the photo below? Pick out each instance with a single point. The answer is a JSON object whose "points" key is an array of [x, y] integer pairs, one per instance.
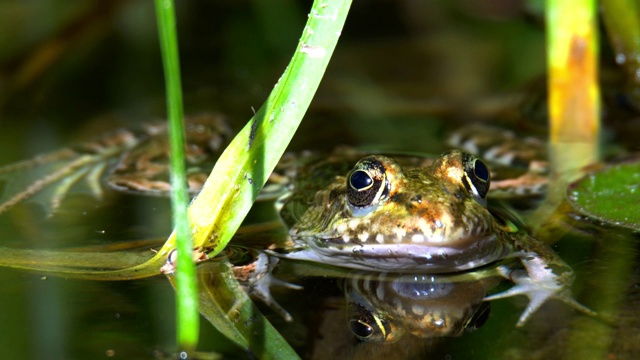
{"points": [[545, 276], [261, 281]]}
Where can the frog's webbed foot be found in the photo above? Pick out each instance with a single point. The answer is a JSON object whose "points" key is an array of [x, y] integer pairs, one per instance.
{"points": [[539, 282], [262, 280]]}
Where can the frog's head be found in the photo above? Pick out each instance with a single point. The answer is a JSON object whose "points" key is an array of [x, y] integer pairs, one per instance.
{"points": [[389, 218]]}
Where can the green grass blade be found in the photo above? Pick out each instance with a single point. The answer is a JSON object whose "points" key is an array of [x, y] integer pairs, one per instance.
{"points": [[186, 288], [244, 167]]}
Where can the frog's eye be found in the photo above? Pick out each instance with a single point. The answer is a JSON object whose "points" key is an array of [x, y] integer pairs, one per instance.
{"points": [[479, 318], [367, 184], [361, 329], [476, 176], [366, 326]]}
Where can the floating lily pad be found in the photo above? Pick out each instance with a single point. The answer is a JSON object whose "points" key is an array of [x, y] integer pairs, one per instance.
{"points": [[611, 195]]}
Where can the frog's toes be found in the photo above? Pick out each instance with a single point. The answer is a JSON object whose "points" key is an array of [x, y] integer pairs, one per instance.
{"points": [[538, 291], [262, 280], [537, 294]]}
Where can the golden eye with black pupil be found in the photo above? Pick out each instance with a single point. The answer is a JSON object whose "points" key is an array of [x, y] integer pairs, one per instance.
{"points": [[367, 183], [477, 178]]}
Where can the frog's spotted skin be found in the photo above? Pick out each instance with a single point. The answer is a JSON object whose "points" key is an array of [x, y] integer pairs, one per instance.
{"points": [[420, 219], [423, 219]]}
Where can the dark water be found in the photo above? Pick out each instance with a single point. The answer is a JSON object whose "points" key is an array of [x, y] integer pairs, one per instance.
{"points": [[402, 75]]}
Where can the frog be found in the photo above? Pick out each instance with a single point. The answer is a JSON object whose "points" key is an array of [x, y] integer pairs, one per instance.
{"points": [[387, 213], [424, 219]]}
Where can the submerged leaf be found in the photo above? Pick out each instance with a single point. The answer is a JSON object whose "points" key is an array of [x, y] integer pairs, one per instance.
{"points": [[611, 195]]}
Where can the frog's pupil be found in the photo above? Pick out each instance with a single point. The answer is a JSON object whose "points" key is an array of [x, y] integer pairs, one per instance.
{"points": [[481, 171], [360, 180], [477, 177], [479, 318], [360, 329]]}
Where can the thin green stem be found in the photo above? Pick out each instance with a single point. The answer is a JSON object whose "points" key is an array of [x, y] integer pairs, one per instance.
{"points": [[186, 286]]}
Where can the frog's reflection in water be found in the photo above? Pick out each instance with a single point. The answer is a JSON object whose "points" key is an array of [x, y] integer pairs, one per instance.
{"points": [[400, 316], [383, 307]]}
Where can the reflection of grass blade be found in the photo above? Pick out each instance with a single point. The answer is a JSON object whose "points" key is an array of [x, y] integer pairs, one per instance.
{"points": [[226, 305]]}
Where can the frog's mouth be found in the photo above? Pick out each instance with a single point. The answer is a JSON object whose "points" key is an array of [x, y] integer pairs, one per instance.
{"points": [[426, 257]]}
